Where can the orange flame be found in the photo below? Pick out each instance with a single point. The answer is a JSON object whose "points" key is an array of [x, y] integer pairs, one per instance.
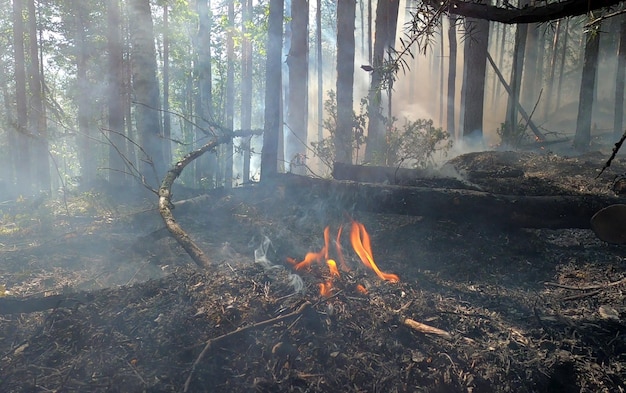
{"points": [[332, 266], [361, 243], [361, 289], [326, 288]]}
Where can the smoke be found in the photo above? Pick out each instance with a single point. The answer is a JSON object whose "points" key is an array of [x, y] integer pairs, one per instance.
{"points": [[260, 257]]}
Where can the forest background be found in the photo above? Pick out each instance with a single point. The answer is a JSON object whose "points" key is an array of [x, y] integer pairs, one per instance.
{"points": [[113, 93]]}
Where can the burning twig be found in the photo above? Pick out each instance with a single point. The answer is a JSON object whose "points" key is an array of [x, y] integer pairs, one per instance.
{"points": [[305, 306]]}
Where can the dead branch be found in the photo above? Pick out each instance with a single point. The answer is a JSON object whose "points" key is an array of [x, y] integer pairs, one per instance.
{"points": [[588, 287], [300, 311], [616, 148], [426, 329], [165, 202]]}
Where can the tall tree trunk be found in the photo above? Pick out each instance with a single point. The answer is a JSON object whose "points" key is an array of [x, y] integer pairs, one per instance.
{"points": [[273, 91], [205, 165], [83, 101], [450, 113], [562, 65], [146, 90], [230, 95], [517, 67], [320, 72], [246, 86], [582, 139], [474, 80], [553, 60], [386, 20], [298, 62], [167, 118], [530, 74], [618, 116], [24, 176], [115, 101], [37, 111], [346, 13]]}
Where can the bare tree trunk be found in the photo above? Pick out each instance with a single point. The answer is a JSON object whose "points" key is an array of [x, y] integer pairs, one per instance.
{"points": [[298, 63], [587, 90], [230, 96], [562, 65], [83, 101], [386, 20], [519, 51], [553, 60], [146, 90], [205, 165], [320, 72], [618, 117], [451, 76], [346, 13], [37, 113], [246, 86], [530, 74], [115, 102], [167, 118], [273, 91], [474, 81]]}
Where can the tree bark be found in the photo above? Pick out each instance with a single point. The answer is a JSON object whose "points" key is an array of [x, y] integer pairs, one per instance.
{"points": [[167, 118], [246, 86], [227, 148], [474, 80], [273, 91], [37, 114], [346, 14], [384, 37], [115, 101], [565, 211], [206, 165], [23, 177], [618, 116], [298, 62], [582, 138], [146, 89], [450, 112]]}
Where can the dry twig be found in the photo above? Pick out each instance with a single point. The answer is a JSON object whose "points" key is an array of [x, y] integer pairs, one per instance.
{"points": [[240, 330]]}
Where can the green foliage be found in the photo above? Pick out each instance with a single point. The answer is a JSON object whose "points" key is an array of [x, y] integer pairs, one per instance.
{"points": [[414, 144], [325, 149], [510, 137]]}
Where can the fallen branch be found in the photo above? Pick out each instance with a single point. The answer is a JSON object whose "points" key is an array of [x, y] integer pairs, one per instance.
{"points": [[165, 202], [426, 329], [588, 287], [305, 306]]}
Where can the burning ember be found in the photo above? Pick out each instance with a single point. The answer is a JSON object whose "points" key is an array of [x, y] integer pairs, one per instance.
{"points": [[360, 240]]}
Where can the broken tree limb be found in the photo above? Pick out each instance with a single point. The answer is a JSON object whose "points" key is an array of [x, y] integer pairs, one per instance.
{"points": [[521, 110], [165, 202], [460, 205]]}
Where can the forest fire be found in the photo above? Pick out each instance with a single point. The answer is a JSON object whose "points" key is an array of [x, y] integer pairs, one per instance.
{"points": [[361, 244]]}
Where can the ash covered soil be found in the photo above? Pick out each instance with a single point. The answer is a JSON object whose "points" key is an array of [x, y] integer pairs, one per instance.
{"points": [[518, 310]]}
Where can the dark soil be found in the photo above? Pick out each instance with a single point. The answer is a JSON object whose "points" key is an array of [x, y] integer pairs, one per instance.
{"points": [[521, 310]]}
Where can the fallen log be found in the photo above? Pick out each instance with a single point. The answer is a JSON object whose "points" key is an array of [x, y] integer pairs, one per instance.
{"points": [[397, 176], [558, 211]]}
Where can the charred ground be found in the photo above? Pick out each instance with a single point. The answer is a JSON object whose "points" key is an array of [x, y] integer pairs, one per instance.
{"points": [[527, 310]]}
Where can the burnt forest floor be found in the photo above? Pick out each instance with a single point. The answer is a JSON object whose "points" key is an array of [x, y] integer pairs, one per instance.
{"points": [[518, 310]]}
